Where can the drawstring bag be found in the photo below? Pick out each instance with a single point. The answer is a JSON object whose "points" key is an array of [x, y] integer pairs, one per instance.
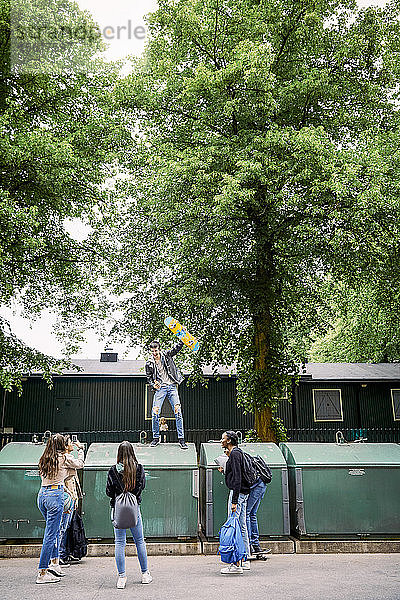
{"points": [[125, 513], [231, 544]]}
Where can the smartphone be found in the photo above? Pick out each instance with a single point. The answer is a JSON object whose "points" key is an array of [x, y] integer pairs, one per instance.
{"points": [[74, 438]]}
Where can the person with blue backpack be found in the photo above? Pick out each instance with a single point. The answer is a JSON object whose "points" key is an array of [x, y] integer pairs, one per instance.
{"points": [[237, 501]]}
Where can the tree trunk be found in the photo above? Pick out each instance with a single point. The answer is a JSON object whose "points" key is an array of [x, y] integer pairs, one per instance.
{"points": [[262, 342], [262, 424], [263, 415], [262, 302]]}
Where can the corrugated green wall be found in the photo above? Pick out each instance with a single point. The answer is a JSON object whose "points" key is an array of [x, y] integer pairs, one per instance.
{"points": [[376, 405], [119, 403], [34, 410], [105, 403]]}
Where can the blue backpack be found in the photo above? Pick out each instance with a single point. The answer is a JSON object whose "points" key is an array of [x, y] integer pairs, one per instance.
{"points": [[231, 544]]}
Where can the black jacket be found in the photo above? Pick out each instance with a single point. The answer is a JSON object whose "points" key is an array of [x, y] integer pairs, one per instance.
{"points": [[168, 362], [115, 487], [233, 474]]}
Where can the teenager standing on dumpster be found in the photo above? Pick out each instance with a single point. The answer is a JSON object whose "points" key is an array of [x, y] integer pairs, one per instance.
{"points": [[54, 466], [164, 377], [238, 495]]}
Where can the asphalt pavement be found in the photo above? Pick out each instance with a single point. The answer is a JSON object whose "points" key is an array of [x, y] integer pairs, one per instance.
{"points": [[281, 577]]}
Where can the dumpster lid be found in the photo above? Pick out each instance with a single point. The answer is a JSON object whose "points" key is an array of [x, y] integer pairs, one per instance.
{"points": [[166, 456], [319, 453], [163, 456], [269, 452], [21, 454]]}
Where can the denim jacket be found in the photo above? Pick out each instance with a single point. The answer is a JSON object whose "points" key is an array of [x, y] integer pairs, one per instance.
{"points": [[169, 364]]}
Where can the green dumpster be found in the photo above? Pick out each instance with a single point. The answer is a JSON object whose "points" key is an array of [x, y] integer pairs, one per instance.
{"points": [[19, 485], [169, 505], [273, 513], [344, 490]]}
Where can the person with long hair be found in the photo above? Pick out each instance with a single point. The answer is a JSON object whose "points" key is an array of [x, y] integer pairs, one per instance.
{"points": [[72, 495], [128, 476], [54, 466]]}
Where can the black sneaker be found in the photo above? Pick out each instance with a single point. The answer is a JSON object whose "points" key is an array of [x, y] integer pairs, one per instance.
{"points": [[183, 444], [64, 562], [155, 442], [73, 559], [256, 548]]}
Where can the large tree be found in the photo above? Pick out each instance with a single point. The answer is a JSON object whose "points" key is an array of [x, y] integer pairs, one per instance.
{"points": [[58, 146], [262, 165]]}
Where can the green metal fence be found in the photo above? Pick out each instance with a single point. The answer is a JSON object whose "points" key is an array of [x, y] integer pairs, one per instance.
{"points": [[201, 436]]}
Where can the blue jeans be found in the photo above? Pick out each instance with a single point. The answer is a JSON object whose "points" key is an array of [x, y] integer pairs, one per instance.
{"points": [[51, 505], [120, 543], [257, 492], [241, 512], [169, 391], [65, 521]]}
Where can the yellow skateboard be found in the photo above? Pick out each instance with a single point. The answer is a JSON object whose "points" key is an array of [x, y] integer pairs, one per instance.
{"points": [[182, 333]]}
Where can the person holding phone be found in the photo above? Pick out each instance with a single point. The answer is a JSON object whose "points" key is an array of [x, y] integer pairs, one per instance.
{"points": [[72, 495], [54, 466]]}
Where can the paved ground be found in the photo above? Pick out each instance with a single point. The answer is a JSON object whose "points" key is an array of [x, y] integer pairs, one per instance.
{"points": [[281, 577]]}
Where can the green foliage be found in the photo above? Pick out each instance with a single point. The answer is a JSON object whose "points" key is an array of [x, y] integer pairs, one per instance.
{"points": [[262, 165], [364, 324], [279, 430], [58, 144], [278, 427], [251, 437]]}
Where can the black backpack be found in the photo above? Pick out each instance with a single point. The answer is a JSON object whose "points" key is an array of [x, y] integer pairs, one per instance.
{"points": [[263, 470], [76, 543], [255, 467], [249, 471]]}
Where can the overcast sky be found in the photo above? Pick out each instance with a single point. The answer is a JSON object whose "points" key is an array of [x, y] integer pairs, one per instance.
{"points": [[123, 28], [121, 23]]}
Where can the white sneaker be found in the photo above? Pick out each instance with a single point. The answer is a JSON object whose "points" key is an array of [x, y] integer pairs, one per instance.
{"points": [[146, 577], [121, 583], [232, 570], [246, 565], [56, 570], [47, 578]]}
